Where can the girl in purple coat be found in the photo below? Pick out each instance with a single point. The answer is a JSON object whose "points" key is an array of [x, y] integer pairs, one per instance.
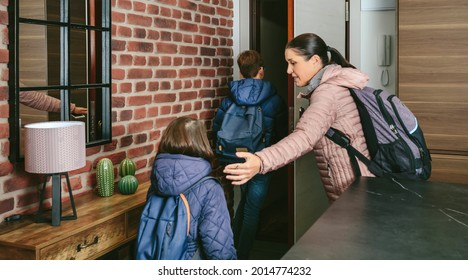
{"points": [[184, 157]]}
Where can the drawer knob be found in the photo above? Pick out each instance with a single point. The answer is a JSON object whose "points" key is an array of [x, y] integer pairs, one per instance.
{"points": [[79, 247]]}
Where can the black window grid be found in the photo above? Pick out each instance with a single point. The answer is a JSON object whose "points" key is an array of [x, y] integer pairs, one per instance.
{"points": [[66, 85]]}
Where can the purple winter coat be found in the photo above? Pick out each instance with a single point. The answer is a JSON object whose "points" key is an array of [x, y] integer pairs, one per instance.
{"points": [[210, 227]]}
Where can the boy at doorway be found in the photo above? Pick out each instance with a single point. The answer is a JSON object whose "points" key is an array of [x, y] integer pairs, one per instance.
{"points": [[252, 90]]}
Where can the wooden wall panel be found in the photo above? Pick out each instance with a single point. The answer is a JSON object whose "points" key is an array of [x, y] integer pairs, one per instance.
{"points": [[429, 93], [430, 40], [440, 69], [445, 125], [434, 118], [416, 12], [433, 79], [438, 143], [446, 168]]}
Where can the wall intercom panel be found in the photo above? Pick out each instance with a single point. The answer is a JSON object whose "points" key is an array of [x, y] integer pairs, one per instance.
{"points": [[384, 43]]}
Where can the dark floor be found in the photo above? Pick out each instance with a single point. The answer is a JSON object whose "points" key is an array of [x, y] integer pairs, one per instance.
{"points": [[267, 250], [262, 250]]}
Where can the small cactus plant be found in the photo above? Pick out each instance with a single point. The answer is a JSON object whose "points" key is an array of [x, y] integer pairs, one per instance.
{"points": [[127, 167], [128, 184], [105, 177]]}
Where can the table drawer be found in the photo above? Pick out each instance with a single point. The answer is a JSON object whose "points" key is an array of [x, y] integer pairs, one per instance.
{"points": [[133, 220], [88, 243]]}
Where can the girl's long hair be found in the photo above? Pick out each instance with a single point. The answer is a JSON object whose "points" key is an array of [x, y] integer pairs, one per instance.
{"points": [[186, 136]]}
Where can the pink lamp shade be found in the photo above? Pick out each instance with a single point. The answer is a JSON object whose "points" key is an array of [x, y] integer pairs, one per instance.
{"points": [[54, 147]]}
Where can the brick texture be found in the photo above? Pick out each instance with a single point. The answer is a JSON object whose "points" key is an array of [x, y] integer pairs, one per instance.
{"points": [[170, 58]]}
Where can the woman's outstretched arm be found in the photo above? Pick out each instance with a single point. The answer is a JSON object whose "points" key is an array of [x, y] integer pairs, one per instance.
{"points": [[240, 173]]}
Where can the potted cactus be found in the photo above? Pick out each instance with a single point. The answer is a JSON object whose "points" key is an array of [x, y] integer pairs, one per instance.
{"points": [[128, 184], [127, 167], [105, 177]]}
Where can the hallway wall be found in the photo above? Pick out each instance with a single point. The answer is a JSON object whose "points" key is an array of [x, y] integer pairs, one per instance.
{"points": [[169, 59]]}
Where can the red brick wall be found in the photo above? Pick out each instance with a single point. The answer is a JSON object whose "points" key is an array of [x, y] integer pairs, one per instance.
{"points": [[169, 58]]}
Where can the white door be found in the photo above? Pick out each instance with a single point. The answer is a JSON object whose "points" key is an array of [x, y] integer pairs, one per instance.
{"points": [[325, 18]]}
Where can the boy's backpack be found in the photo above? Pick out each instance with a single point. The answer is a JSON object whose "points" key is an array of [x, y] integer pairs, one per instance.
{"points": [[164, 226], [394, 139], [241, 131]]}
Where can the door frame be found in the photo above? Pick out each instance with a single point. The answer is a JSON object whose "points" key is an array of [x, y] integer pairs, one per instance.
{"points": [[255, 43]]}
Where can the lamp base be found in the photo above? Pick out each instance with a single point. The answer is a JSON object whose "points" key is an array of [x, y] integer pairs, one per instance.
{"points": [[56, 200]]}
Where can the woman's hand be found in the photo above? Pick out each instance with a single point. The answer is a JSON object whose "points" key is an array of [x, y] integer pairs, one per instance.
{"points": [[80, 111], [240, 173]]}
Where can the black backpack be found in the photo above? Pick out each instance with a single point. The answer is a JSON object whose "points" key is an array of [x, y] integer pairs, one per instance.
{"points": [[394, 139]]}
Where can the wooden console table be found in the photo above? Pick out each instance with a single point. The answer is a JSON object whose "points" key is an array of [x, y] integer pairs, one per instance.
{"points": [[103, 224]]}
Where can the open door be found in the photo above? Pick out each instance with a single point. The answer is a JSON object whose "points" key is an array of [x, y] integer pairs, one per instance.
{"points": [[296, 196], [326, 18], [269, 35]]}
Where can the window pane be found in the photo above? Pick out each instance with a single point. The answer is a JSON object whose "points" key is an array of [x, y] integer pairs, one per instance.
{"points": [[95, 115], [53, 55], [34, 9], [37, 106], [32, 55], [40, 46], [79, 97], [78, 11], [95, 57], [95, 13], [53, 9], [78, 54]]}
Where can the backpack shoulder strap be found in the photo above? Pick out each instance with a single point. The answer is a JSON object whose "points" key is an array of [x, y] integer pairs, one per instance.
{"points": [[339, 138], [232, 106], [185, 201], [366, 120], [187, 206]]}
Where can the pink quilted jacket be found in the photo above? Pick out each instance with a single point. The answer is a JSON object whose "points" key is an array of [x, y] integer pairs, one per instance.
{"points": [[41, 101], [330, 105]]}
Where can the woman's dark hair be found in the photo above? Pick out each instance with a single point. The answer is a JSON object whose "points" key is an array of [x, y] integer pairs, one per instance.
{"points": [[186, 136], [310, 44]]}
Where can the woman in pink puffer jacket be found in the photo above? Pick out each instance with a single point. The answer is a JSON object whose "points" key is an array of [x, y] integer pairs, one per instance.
{"points": [[327, 82]]}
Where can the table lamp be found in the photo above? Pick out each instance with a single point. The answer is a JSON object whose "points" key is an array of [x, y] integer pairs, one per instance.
{"points": [[54, 148]]}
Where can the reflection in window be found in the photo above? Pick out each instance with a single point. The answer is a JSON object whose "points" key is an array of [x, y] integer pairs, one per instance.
{"points": [[60, 66]]}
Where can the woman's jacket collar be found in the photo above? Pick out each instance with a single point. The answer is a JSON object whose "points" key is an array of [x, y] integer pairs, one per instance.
{"points": [[314, 83]]}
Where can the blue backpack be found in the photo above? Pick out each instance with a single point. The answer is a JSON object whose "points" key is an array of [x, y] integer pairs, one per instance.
{"points": [[241, 131], [164, 226], [394, 139]]}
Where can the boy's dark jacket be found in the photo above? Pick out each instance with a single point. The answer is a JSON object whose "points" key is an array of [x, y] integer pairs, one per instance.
{"points": [[252, 92], [210, 227]]}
